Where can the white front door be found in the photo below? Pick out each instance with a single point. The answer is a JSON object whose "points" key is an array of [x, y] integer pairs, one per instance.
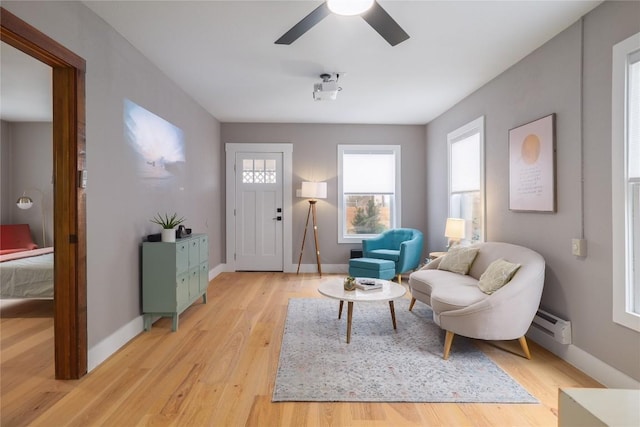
{"points": [[258, 211]]}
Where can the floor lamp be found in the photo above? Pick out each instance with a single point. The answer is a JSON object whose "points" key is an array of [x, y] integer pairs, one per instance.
{"points": [[312, 191], [25, 202]]}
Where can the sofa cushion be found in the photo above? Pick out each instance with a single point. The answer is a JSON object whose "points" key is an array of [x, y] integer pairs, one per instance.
{"points": [[426, 280], [389, 254], [458, 260], [462, 295], [498, 274]]}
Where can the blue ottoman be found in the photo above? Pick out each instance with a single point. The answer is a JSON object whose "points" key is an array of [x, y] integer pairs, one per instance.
{"points": [[372, 267]]}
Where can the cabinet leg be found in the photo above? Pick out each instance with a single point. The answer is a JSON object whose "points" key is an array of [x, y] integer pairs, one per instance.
{"points": [[147, 322], [174, 322], [204, 298]]}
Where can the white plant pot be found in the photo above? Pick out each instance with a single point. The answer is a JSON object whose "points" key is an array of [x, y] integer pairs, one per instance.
{"points": [[168, 235]]}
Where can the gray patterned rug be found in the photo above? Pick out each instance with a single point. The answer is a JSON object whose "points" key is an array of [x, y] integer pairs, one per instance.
{"points": [[380, 364]]}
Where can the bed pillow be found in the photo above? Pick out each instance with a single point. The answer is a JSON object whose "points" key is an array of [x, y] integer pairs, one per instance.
{"points": [[16, 237], [498, 274], [458, 260]]}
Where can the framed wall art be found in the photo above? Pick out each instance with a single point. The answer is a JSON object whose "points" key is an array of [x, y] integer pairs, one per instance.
{"points": [[532, 171]]}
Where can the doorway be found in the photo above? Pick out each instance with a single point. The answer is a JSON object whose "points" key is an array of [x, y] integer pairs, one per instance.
{"points": [[69, 202], [258, 186]]}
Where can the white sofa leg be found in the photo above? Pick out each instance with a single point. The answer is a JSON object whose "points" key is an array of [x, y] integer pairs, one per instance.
{"points": [[448, 339], [413, 301]]}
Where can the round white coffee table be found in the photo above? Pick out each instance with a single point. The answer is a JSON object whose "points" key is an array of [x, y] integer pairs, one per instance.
{"points": [[389, 291]]}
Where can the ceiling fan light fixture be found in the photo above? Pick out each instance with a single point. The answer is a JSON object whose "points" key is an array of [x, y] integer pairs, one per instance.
{"points": [[349, 7]]}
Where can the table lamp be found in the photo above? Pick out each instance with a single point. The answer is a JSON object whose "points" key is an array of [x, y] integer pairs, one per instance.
{"points": [[454, 231]]}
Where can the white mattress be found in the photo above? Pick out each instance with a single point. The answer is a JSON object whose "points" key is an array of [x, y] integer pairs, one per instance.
{"points": [[27, 278]]}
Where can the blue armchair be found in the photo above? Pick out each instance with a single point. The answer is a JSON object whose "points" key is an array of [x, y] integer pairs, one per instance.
{"points": [[403, 246]]}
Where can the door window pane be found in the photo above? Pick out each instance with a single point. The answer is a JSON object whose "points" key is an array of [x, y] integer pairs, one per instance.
{"points": [[259, 171]]}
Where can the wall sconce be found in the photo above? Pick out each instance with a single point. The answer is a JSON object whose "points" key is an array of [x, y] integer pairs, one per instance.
{"points": [[454, 231], [313, 191], [25, 202]]}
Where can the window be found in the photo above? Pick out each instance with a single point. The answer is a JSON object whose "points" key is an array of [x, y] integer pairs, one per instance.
{"points": [[625, 169], [259, 171], [369, 187], [466, 178]]}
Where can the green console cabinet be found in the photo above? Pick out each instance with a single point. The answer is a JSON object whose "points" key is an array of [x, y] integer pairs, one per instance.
{"points": [[174, 275]]}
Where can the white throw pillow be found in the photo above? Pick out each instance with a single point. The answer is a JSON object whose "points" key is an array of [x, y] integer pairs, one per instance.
{"points": [[458, 260], [498, 274]]}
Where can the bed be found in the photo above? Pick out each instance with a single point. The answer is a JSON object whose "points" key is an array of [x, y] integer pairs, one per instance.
{"points": [[26, 271]]}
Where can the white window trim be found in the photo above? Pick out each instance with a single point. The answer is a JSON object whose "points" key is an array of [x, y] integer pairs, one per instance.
{"points": [[397, 204], [474, 126], [621, 313]]}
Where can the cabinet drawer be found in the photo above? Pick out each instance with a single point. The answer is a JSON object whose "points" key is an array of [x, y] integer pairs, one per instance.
{"points": [[182, 290], [182, 257], [194, 252], [194, 283], [204, 277], [204, 248]]}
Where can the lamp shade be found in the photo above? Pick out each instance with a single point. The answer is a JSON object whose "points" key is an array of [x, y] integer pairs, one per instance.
{"points": [[454, 228], [314, 190], [24, 202], [349, 7]]}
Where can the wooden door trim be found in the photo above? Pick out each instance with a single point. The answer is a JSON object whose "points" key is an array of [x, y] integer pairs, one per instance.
{"points": [[69, 205]]}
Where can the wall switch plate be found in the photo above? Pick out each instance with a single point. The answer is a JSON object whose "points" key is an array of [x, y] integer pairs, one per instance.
{"points": [[579, 247]]}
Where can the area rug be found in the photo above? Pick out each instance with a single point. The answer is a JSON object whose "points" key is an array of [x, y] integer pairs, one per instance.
{"points": [[380, 364]]}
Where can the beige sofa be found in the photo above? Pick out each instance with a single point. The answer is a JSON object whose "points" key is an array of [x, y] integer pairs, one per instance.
{"points": [[460, 307]]}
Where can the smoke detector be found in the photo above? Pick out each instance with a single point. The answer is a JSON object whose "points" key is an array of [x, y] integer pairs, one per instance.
{"points": [[328, 89]]}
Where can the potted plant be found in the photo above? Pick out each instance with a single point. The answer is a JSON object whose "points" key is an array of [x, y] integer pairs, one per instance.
{"points": [[349, 283], [168, 224]]}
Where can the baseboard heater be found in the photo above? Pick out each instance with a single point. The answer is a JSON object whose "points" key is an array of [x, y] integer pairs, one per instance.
{"points": [[553, 326]]}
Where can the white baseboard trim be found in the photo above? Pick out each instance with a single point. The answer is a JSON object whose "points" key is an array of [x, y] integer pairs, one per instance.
{"points": [[108, 346], [214, 272], [590, 365]]}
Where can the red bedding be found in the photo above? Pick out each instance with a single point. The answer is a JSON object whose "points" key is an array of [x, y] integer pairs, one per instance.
{"points": [[15, 238]]}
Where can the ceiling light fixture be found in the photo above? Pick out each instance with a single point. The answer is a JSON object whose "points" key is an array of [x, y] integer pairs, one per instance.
{"points": [[349, 7], [328, 89]]}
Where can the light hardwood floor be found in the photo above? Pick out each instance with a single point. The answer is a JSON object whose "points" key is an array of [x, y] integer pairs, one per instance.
{"points": [[219, 370]]}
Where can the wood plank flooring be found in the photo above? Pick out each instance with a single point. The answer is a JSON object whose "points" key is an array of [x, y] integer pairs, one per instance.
{"points": [[219, 370]]}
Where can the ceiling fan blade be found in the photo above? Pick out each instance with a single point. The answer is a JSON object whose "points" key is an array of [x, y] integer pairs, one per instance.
{"points": [[318, 14], [384, 24]]}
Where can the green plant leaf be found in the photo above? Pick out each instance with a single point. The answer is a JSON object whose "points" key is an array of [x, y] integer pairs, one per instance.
{"points": [[166, 221]]}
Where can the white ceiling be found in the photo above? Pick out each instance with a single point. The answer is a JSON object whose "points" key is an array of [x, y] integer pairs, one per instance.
{"points": [[222, 53]]}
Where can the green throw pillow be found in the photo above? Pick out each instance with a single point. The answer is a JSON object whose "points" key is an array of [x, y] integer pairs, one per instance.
{"points": [[497, 275], [458, 260]]}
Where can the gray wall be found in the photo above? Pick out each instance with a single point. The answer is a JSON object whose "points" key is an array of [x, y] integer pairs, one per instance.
{"points": [[28, 167], [119, 205], [548, 81], [315, 157], [6, 189]]}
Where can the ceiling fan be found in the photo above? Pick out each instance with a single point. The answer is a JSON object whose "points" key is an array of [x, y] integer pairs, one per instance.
{"points": [[370, 11]]}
